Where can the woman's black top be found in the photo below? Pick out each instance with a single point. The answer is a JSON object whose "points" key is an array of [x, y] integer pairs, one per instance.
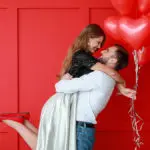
{"points": [[81, 63]]}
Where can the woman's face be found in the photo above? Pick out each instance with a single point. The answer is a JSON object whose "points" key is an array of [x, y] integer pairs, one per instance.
{"points": [[95, 43]]}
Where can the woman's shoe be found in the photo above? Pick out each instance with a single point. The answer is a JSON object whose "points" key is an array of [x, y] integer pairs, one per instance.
{"points": [[25, 115], [19, 119]]}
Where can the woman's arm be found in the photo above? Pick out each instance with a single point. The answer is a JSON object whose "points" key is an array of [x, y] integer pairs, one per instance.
{"points": [[111, 72], [88, 61]]}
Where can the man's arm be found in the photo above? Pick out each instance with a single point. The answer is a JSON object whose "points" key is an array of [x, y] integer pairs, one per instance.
{"points": [[87, 83], [84, 83]]}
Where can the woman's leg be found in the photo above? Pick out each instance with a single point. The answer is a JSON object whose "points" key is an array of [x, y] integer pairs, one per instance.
{"points": [[29, 125], [27, 134]]}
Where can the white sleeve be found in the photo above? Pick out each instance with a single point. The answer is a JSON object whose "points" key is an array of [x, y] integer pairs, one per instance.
{"points": [[84, 83]]}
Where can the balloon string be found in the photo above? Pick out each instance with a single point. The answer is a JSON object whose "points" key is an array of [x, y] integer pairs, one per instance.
{"points": [[135, 118]]}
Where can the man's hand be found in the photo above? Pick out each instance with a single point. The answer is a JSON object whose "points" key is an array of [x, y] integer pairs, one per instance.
{"points": [[66, 76], [130, 93]]}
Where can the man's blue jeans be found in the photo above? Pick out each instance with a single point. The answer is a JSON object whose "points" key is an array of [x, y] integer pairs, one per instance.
{"points": [[85, 137]]}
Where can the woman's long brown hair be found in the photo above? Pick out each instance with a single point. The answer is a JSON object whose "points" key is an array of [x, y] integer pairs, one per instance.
{"points": [[81, 43]]}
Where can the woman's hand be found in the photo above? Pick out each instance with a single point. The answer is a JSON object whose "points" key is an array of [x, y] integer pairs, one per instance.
{"points": [[66, 76], [130, 93]]}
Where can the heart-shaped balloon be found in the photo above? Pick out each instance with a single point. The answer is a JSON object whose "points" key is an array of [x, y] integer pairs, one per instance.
{"points": [[144, 56], [134, 32], [148, 16], [111, 27], [124, 7], [144, 6], [147, 42]]}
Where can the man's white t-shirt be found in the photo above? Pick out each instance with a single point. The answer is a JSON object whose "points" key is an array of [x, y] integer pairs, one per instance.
{"points": [[94, 90]]}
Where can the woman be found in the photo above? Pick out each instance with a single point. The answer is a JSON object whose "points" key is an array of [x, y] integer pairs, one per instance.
{"points": [[79, 61]]}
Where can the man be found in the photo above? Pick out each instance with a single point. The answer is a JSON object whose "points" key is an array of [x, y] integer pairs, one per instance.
{"points": [[94, 90]]}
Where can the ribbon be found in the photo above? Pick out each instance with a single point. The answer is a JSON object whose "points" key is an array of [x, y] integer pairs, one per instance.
{"points": [[135, 118]]}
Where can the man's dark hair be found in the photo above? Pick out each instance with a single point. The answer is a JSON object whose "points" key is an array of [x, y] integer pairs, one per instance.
{"points": [[122, 56]]}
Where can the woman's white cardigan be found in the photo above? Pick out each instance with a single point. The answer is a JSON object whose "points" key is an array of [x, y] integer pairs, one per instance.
{"points": [[57, 129]]}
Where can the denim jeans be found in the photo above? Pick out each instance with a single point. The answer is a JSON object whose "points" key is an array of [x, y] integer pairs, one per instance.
{"points": [[85, 137]]}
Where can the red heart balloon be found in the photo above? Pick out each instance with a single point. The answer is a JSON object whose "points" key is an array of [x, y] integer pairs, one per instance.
{"points": [[147, 43], [148, 16], [134, 32], [144, 6], [111, 27], [144, 56], [124, 7]]}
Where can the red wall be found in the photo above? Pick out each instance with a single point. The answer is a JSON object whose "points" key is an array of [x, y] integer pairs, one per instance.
{"points": [[34, 38]]}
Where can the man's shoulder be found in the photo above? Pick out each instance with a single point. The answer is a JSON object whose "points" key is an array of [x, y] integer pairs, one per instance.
{"points": [[101, 75], [97, 73], [94, 73]]}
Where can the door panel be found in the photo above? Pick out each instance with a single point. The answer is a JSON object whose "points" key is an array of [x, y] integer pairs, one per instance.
{"points": [[42, 46]]}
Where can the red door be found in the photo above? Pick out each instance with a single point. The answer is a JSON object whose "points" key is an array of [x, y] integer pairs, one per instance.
{"points": [[35, 36]]}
